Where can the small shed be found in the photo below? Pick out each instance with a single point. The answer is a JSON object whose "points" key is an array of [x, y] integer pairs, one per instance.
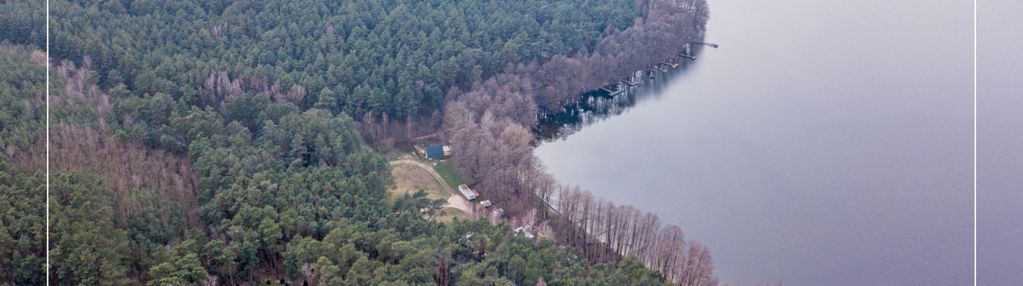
{"points": [[467, 192], [437, 152], [525, 232]]}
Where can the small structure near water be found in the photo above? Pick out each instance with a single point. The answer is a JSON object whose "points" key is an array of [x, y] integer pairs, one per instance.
{"points": [[613, 89]]}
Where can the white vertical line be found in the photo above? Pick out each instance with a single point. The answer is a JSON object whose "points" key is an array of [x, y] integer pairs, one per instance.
{"points": [[47, 142], [975, 143]]}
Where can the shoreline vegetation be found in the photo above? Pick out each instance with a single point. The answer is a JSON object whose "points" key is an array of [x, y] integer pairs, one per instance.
{"points": [[489, 128], [216, 142]]}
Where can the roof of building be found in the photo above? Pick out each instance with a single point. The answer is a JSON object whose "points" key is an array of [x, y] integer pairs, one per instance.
{"points": [[467, 192], [435, 151]]}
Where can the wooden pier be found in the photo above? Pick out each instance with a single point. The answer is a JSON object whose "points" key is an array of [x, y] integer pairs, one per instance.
{"points": [[613, 89], [630, 81], [663, 67], [622, 86], [712, 45], [633, 80]]}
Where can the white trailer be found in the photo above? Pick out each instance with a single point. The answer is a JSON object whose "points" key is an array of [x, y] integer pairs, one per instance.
{"points": [[467, 192]]}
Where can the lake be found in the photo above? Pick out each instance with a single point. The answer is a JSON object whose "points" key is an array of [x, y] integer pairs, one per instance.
{"points": [[824, 143], [999, 143]]}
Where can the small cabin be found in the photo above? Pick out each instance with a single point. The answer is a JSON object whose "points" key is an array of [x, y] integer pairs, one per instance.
{"points": [[437, 152], [467, 192]]}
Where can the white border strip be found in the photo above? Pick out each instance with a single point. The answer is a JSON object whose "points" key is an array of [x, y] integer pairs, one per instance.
{"points": [[47, 142], [975, 142]]}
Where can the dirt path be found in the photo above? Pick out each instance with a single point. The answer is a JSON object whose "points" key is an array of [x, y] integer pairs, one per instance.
{"points": [[455, 200]]}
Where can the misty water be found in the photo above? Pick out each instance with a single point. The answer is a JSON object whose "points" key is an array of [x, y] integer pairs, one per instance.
{"points": [[824, 143]]}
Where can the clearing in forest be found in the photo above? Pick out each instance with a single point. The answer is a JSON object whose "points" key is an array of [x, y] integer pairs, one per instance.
{"points": [[409, 179], [411, 176]]}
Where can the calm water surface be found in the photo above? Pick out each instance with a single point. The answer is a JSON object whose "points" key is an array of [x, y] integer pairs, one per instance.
{"points": [[824, 143], [999, 143]]}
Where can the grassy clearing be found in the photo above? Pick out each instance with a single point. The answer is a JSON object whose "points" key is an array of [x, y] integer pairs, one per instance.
{"points": [[409, 179], [447, 171]]}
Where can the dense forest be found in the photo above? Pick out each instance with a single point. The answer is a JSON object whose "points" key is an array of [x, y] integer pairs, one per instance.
{"points": [[122, 212], [22, 179], [393, 58], [229, 142]]}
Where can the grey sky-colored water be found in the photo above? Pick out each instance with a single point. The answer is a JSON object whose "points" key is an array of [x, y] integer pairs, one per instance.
{"points": [[999, 143], [824, 143]]}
